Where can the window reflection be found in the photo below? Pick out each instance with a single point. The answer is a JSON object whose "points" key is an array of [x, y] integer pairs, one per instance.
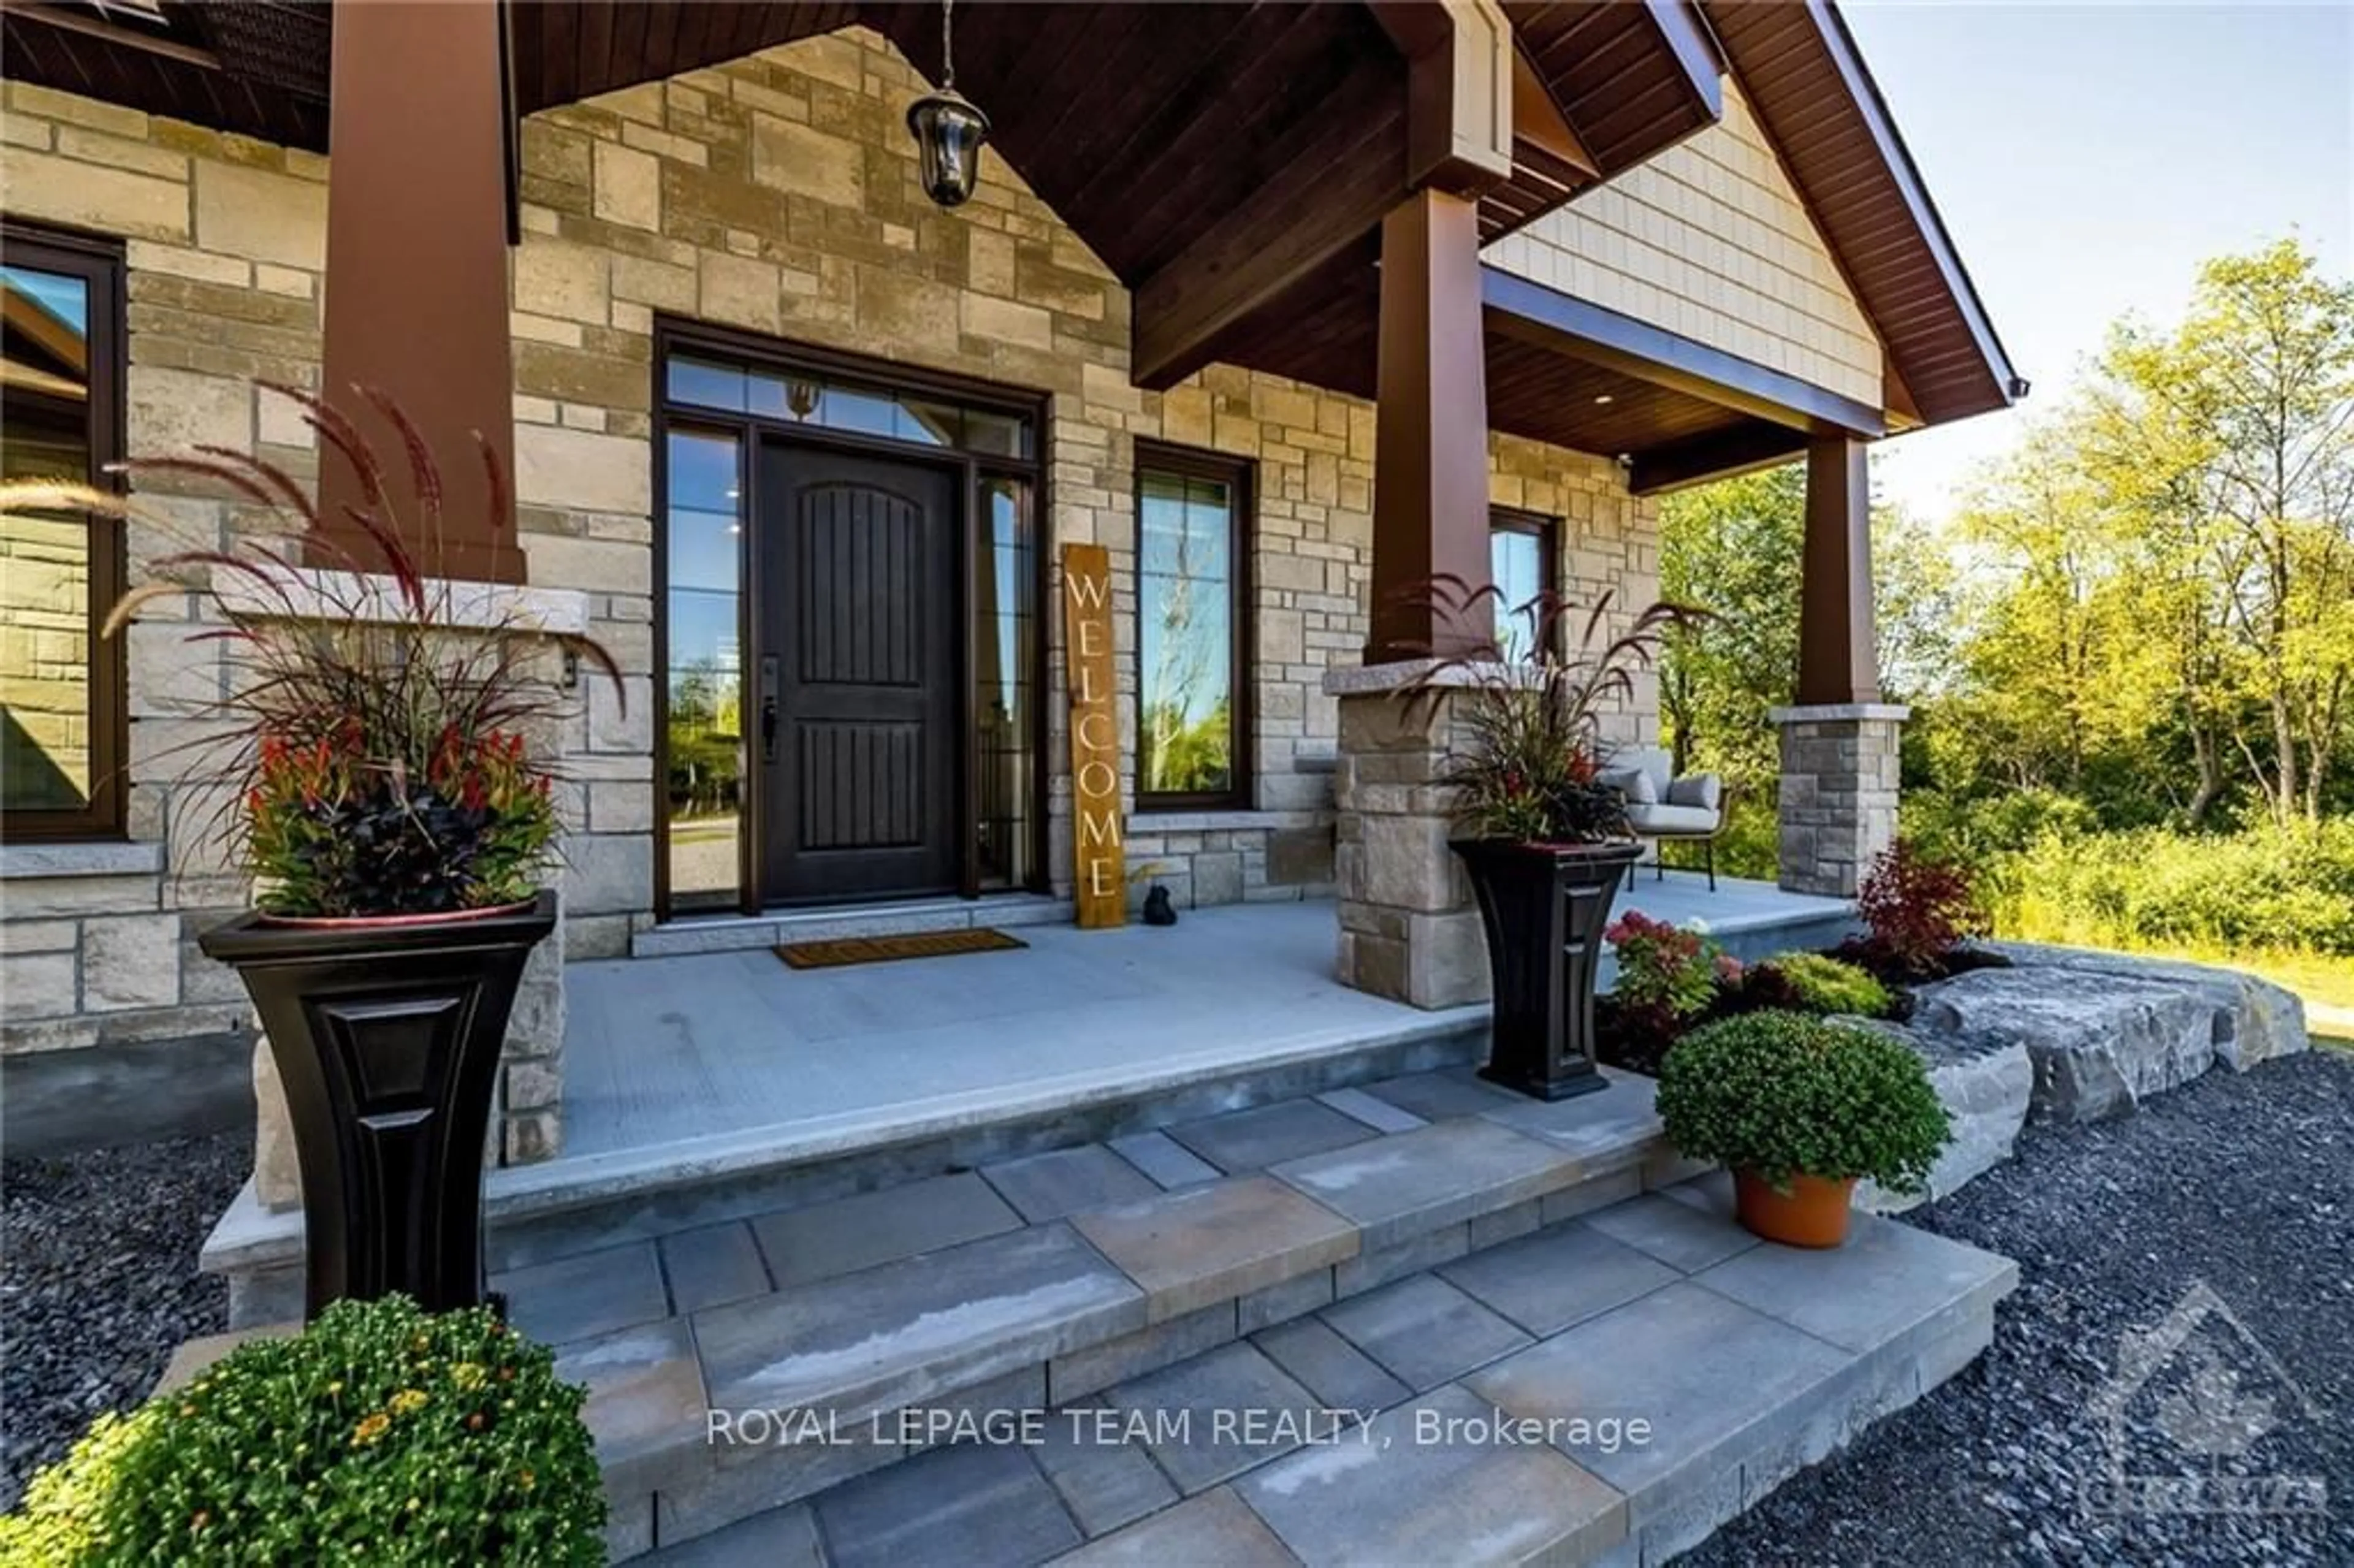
{"points": [[704, 746], [1185, 632], [46, 717], [1516, 564]]}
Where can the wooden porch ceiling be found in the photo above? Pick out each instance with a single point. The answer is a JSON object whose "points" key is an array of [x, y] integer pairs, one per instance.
{"points": [[255, 67], [1135, 123], [1229, 163]]}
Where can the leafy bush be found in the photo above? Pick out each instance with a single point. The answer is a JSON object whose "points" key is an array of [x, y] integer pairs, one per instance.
{"points": [[1779, 1094], [1824, 984], [1662, 965], [1918, 908], [380, 1433], [1979, 830], [330, 834], [2264, 889]]}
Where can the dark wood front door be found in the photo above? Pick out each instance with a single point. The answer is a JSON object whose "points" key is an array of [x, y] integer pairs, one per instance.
{"points": [[857, 624]]}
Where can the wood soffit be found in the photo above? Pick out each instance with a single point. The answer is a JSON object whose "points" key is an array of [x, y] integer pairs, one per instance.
{"points": [[1230, 162]]}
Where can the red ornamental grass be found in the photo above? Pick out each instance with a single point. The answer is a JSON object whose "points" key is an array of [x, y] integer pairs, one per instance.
{"points": [[354, 694]]}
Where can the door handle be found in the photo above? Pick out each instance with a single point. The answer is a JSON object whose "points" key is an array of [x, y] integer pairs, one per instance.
{"points": [[769, 683]]}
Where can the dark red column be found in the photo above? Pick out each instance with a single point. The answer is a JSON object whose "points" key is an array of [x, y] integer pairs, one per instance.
{"points": [[1837, 660], [417, 267], [1430, 450]]}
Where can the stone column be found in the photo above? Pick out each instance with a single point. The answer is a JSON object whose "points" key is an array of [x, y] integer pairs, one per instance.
{"points": [[1409, 929], [1840, 779]]}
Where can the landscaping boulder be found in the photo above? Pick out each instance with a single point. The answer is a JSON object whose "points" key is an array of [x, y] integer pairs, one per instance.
{"points": [[1985, 1083], [2255, 1020], [2101, 1044]]}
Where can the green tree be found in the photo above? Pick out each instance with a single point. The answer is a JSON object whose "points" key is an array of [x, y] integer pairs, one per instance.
{"points": [[2250, 404], [1732, 548]]}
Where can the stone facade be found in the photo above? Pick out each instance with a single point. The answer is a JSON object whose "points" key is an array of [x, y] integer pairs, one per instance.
{"points": [[1709, 239], [224, 240], [225, 250], [776, 194], [1840, 773], [1409, 929]]}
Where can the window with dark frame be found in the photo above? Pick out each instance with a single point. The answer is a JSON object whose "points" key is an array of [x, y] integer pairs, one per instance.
{"points": [[1192, 631], [63, 709], [1522, 562]]}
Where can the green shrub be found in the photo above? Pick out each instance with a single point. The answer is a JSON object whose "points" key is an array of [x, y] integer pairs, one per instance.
{"points": [[1979, 830], [1825, 984], [2261, 888], [1780, 1094], [381, 1432]]}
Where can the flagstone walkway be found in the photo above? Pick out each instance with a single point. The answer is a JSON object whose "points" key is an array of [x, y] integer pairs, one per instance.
{"points": [[1317, 1330]]}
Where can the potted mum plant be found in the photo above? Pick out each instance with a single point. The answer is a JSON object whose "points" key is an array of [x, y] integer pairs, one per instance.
{"points": [[380, 1433], [381, 756], [1801, 1109], [1544, 840]]}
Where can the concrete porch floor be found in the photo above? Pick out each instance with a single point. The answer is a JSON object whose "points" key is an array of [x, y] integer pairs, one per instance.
{"points": [[667, 1051], [700, 1087]]}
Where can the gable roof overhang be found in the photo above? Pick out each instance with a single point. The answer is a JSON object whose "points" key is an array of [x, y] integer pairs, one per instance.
{"points": [[1819, 106]]}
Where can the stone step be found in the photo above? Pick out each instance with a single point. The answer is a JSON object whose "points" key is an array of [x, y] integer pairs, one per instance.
{"points": [[713, 1356], [535, 1213], [1480, 1412]]}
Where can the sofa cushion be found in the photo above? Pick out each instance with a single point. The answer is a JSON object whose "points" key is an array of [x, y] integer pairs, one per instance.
{"points": [[1634, 783], [1671, 819], [1655, 760], [1703, 790]]}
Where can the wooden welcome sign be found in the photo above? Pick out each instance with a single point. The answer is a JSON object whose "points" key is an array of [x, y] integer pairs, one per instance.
{"points": [[1100, 869]]}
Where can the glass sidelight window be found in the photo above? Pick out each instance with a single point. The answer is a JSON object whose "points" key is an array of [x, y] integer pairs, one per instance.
{"points": [[1005, 695], [1192, 549], [62, 704], [704, 736]]}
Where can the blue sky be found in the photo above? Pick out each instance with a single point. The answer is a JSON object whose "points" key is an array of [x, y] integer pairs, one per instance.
{"points": [[2087, 158]]}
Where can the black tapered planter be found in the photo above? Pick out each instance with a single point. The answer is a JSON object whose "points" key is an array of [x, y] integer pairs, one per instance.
{"points": [[1544, 907], [387, 1035]]}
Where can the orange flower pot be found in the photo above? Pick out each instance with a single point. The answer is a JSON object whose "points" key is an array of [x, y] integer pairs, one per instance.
{"points": [[1813, 1212]]}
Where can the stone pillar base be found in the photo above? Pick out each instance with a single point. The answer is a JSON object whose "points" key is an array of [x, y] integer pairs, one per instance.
{"points": [[1840, 784], [1409, 929]]}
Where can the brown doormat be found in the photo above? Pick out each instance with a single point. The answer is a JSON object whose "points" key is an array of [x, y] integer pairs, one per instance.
{"points": [[883, 950]]}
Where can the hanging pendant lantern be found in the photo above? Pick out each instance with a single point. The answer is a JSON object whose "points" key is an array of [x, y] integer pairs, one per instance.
{"points": [[949, 129]]}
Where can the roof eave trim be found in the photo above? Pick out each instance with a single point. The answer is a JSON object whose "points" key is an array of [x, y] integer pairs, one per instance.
{"points": [[1841, 46], [1698, 54]]}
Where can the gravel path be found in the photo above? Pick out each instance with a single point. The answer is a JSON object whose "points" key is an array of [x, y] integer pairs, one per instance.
{"points": [[2243, 1184], [99, 1283]]}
